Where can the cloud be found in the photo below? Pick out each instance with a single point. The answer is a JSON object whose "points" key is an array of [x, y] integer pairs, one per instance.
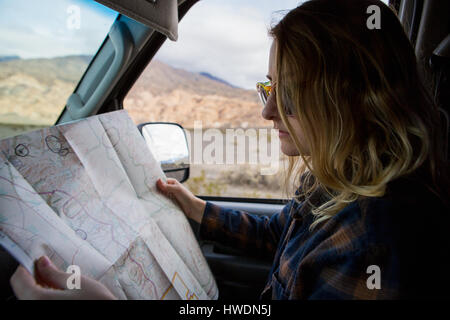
{"points": [[230, 43], [33, 29]]}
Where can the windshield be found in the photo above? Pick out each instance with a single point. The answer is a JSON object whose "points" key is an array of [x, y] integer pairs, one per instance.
{"points": [[45, 47]]}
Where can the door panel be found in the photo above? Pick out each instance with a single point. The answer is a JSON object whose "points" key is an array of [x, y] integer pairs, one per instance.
{"points": [[238, 276]]}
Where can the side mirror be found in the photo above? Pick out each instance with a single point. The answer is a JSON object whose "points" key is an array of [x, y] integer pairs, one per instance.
{"points": [[169, 145]]}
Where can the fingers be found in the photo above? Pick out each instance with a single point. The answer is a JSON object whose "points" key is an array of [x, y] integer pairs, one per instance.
{"points": [[160, 185], [172, 181], [168, 183], [50, 275], [168, 188], [24, 285]]}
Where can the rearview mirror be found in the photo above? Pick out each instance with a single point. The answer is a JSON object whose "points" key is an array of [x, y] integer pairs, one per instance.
{"points": [[168, 143]]}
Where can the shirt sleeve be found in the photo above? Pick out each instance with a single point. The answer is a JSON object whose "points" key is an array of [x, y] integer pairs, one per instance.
{"points": [[255, 235]]}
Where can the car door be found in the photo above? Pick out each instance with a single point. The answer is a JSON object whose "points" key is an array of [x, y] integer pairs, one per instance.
{"points": [[239, 276]]}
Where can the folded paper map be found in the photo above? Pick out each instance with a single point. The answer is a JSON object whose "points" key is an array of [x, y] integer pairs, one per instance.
{"points": [[84, 193]]}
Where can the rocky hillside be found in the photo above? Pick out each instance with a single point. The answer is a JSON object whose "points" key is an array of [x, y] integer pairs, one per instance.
{"points": [[163, 93], [35, 91]]}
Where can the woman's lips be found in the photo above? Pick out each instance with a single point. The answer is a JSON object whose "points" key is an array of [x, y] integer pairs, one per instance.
{"points": [[282, 133]]}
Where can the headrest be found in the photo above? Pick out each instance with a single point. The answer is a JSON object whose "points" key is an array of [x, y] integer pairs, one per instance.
{"points": [[161, 15], [441, 55], [443, 49]]}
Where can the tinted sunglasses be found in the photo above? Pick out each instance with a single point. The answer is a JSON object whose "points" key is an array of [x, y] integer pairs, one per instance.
{"points": [[264, 90]]}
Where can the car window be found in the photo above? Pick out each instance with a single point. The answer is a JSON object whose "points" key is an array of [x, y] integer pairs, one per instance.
{"points": [[45, 47], [206, 82]]}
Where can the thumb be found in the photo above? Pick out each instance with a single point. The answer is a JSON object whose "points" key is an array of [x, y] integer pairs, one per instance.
{"points": [[48, 274], [167, 187]]}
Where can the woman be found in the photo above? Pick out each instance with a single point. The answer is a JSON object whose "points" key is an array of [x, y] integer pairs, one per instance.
{"points": [[369, 217]]}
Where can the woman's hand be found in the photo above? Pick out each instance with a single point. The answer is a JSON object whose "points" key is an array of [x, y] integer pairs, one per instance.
{"points": [[192, 206], [53, 285]]}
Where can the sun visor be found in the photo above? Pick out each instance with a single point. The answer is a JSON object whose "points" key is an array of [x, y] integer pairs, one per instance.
{"points": [[161, 15]]}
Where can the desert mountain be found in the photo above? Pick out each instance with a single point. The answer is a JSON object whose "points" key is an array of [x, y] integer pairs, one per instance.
{"points": [[35, 91], [164, 93]]}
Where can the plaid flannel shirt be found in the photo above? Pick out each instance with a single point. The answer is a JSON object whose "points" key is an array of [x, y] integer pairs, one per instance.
{"points": [[333, 260]]}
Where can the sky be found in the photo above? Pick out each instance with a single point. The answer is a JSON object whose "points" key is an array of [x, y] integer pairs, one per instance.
{"points": [[227, 42], [47, 28], [226, 38]]}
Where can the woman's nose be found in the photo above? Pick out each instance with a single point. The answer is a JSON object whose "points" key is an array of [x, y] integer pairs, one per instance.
{"points": [[270, 110]]}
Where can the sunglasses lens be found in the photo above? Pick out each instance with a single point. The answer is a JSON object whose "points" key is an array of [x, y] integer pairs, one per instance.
{"points": [[263, 91], [262, 95]]}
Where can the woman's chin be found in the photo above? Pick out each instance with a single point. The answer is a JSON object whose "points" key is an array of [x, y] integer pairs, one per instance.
{"points": [[289, 149]]}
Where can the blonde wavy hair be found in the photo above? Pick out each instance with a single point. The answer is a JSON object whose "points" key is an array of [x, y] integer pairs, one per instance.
{"points": [[359, 100]]}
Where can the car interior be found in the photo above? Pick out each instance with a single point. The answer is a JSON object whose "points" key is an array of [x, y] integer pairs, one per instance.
{"points": [[141, 29]]}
